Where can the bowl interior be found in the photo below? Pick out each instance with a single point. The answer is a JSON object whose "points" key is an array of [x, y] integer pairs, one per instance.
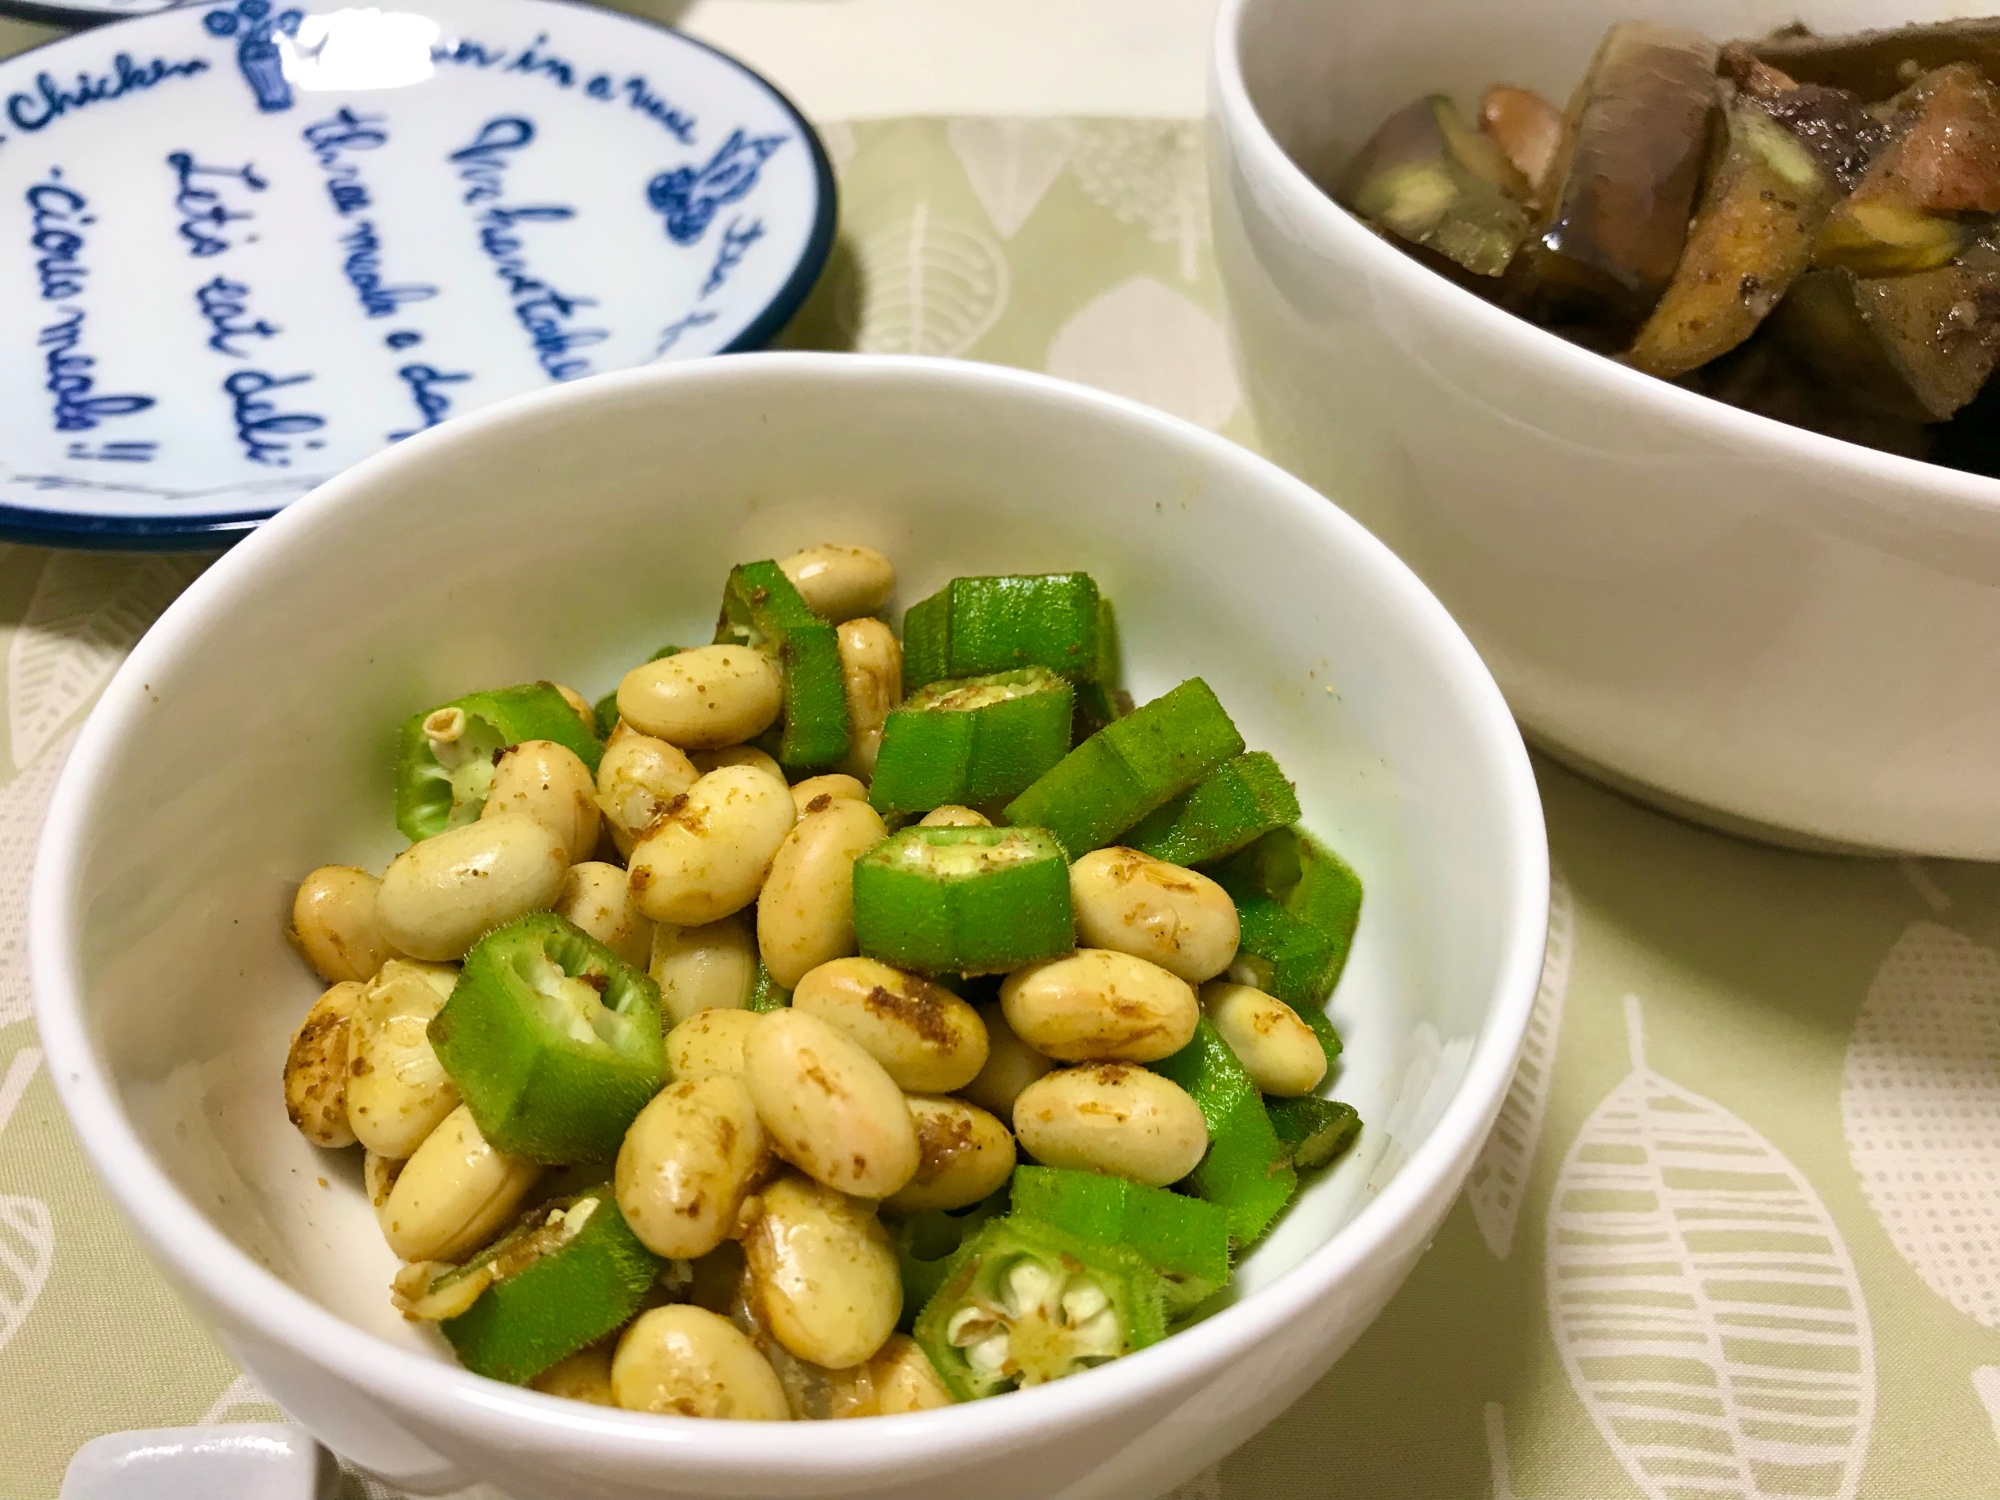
{"points": [[567, 537], [1324, 73]]}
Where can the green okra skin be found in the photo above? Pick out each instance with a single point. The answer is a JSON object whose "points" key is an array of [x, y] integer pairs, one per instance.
{"points": [[963, 900], [975, 626], [1306, 878], [1096, 707], [998, 1320], [553, 1041], [766, 994], [926, 1244], [558, 1286], [1247, 1172], [1238, 802], [1185, 1239], [606, 708], [1314, 1131], [972, 740], [1285, 955], [445, 787], [1128, 769], [761, 607]]}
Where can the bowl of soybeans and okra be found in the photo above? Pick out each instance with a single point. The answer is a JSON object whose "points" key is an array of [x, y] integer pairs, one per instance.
{"points": [[924, 998]]}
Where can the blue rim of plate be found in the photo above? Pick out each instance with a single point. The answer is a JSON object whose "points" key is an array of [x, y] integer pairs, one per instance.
{"points": [[39, 528]]}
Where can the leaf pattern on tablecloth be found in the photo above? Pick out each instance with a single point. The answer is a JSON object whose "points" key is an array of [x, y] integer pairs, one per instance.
{"points": [[1986, 1386], [27, 1231], [1500, 1175], [24, 805], [1144, 340], [922, 286], [1011, 164], [1920, 1102], [1148, 176], [1708, 1313]]}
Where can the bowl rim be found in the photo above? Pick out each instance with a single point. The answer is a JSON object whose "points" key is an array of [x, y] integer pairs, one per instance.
{"points": [[200, 1256], [1338, 231], [35, 526]]}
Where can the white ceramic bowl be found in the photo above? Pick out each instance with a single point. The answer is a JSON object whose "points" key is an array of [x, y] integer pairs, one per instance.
{"points": [[249, 738], [1758, 624]]}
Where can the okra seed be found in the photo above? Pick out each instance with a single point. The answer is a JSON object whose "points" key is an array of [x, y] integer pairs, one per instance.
{"points": [[1174, 917], [1276, 1048], [445, 726], [335, 924], [703, 699], [441, 896], [596, 898], [1112, 1118], [1100, 1005], [551, 784], [840, 582]]}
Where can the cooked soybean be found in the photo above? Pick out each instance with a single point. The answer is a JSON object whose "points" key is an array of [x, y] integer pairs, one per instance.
{"points": [[824, 1276], [967, 1156], [805, 911], [316, 1067], [1099, 1005], [871, 667], [1277, 1049], [706, 856], [710, 1042], [443, 895], [685, 1361], [703, 699], [840, 582], [550, 784], [710, 967], [455, 1193], [1011, 1065], [335, 926], [397, 1090], [926, 1038], [637, 778], [1174, 917], [835, 786], [596, 898], [1112, 1118], [830, 1108], [687, 1163]]}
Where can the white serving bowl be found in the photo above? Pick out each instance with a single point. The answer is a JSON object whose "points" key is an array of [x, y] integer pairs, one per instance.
{"points": [[250, 736], [1763, 626]]}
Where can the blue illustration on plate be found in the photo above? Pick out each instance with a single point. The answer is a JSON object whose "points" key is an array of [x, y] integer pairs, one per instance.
{"points": [[690, 196], [254, 24]]}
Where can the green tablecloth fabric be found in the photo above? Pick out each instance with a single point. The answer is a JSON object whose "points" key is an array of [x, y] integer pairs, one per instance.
{"points": [[1738, 1234]]}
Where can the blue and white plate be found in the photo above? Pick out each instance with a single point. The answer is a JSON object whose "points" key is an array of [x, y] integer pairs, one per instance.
{"points": [[251, 243]]}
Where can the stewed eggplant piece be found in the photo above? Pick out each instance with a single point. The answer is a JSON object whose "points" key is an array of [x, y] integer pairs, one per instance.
{"points": [[1877, 64], [1430, 178]]}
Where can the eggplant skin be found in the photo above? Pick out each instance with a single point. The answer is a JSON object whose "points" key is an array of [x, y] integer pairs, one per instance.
{"points": [[1878, 64]]}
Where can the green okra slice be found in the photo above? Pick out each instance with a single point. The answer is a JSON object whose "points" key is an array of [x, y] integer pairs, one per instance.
{"points": [[1247, 1172], [1127, 769], [971, 740], [766, 994], [445, 756], [925, 1245], [1308, 879], [1238, 802], [1313, 1131], [553, 1041], [1287, 957], [1024, 1303], [568, 1274], [606, 708], [963, 900], [973, 626], [1185, 1239], [761, 607]]}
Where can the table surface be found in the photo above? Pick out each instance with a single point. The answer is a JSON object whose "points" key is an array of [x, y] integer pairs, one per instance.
{"points": [[1782, 1069]]}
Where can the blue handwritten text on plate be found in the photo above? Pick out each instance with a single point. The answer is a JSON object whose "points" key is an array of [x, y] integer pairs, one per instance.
{"points": [[58, 216], [52, 100], [536, 61], [198, 198]]}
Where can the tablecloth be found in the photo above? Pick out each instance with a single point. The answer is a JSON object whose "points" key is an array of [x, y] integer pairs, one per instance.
{"points": [[1738, 1231]]}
